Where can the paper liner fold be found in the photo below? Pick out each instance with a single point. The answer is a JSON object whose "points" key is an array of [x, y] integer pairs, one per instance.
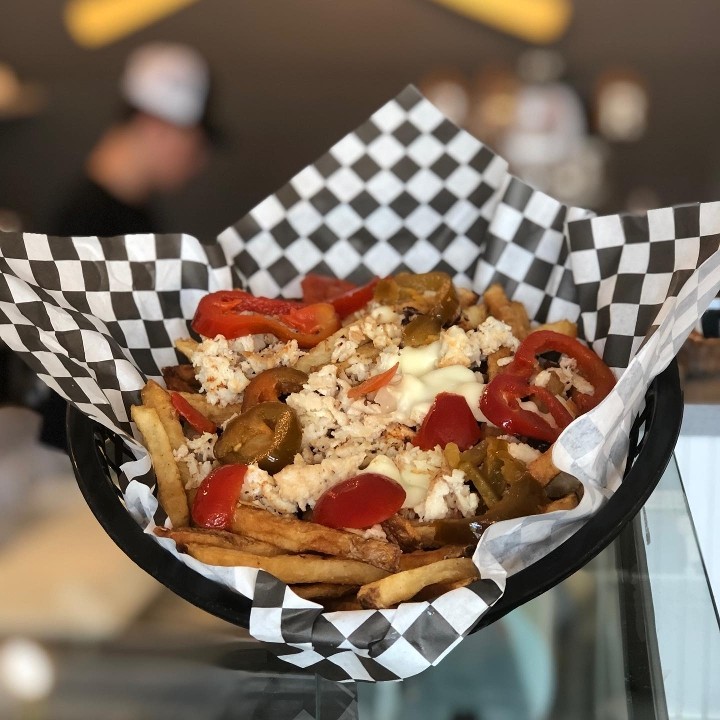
{"points": [[407, 190]]}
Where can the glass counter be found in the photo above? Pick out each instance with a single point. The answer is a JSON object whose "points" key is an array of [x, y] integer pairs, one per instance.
{"points": [[634, 634]]}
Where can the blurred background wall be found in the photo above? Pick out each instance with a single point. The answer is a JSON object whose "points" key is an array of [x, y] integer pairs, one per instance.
{"points": [[293, 76]]}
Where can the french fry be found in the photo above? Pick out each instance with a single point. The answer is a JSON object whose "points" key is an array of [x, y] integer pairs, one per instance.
{"points": [[466, 297], [564, 327], [542, 468], [216, 413], [427, 533], [412, 560], [291, 569], [568, 502], [493, 361], [323, 591], [155, 396], [473, 316], [186, 347], [181, 378], [218, 538], [300, 536], [402, 586], [342, 604], [431, 592], [171, 492], [511, 312], [402, 532]]}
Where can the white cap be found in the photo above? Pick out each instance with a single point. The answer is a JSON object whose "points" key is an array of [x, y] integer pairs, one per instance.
{"points": [[168, 81]]}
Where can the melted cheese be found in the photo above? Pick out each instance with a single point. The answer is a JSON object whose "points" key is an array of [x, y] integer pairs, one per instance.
{"points": [[422, 380], [414, 483]]}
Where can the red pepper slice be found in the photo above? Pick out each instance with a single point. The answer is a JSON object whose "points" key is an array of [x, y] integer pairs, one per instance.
{"points": [[448, 420], [359, 502], [373, 383], [345, 297], [355, 299], [321, 288], [217, 496], [500, 405], [234, 313], [193, 416], [589, 365]]}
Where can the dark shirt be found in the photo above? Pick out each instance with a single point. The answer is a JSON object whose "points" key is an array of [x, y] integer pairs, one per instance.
{"points": [[91, 210]]}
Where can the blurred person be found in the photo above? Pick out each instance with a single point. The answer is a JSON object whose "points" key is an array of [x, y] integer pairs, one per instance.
{"points": [[160, 142]]}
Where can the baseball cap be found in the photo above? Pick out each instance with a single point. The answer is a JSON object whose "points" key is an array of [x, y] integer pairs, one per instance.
{"points": [[169, 81]]}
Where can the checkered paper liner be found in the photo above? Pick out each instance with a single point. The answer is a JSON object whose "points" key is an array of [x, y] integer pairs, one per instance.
{"points": [[407, 190]]}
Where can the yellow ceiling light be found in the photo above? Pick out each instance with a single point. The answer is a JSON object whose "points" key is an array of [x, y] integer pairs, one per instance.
{"points": [[538, 21], [94, 23]]}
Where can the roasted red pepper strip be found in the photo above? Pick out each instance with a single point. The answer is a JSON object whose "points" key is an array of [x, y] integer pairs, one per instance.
{"points": [[321, 288], [234, 313], [355, 299], [193, 416], [500, 405], [589, 365], [345, 297]]}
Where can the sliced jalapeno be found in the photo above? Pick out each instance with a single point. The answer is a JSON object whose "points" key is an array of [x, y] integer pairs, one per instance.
{"points": [[267, 435], [269, 385]]}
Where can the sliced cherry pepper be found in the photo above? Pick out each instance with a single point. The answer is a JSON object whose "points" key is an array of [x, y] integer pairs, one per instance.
{"points": [[234, 313], [270, 384], [217, 496], [589, 365], [267, 435], [193, 416], [448, 420], [359, 502], [500, 404]]}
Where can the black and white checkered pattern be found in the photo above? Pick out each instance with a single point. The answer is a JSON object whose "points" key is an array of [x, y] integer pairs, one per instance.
{"points": [[407, 190]]}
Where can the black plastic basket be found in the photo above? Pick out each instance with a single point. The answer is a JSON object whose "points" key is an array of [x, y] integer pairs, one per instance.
{"points": [[97, 453]]}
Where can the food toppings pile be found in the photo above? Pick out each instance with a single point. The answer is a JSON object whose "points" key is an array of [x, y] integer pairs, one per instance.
{"points": [[355, 443]]}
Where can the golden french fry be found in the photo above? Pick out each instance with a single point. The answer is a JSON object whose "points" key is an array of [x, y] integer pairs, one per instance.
{"points": [[291, 569], [493, 361], [466, 297], [436, 590], [402, 586], [157, 397], [300, 536], [568, 502], [171, 492], [318, 591], [542, 468], [217, 414], [180, 378], [564, 327], [412, 560], [218, 538], [427, 532], [342, 604], [186, 347], [402, 532], [511, 312], [321, 354]]}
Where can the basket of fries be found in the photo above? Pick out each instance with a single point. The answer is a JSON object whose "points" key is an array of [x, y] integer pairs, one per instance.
{"points": [[467, 279]]}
